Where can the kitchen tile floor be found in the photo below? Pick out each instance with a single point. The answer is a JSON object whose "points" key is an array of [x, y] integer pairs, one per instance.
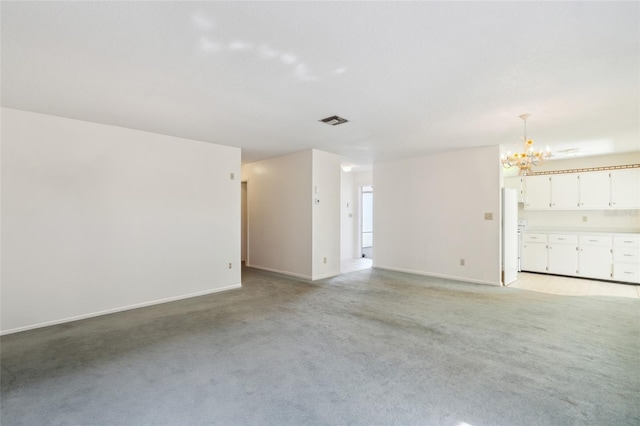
{"points": [[568, 286], [542, 283], [357, 264]]}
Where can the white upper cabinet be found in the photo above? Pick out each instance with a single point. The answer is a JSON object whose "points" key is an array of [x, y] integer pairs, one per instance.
{"points": [[564, 191], [537, 192], [625, 189], [595, 190], [598, 190], [515, 182]]}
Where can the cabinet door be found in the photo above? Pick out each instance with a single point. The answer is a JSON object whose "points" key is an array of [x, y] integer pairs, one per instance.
{"points": [[563, 259], [595, 262], [515, 182], [534, 257], [625, 189], [537, 192], [564, 191], [595, 190]]}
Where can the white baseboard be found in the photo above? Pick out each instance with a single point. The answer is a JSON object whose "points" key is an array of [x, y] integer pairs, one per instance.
{"points": [[277, 271], [293, 274], [448, 277], [321, 277], [120, 309]]}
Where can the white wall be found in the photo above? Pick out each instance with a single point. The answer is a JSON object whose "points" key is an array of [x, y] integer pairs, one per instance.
{"points": [[597, 220], [348, 216], [288, 232], [99, 218], [279, 202], [326, 214], [243, 227], [582, 162], [592, 161], [429, 213]]}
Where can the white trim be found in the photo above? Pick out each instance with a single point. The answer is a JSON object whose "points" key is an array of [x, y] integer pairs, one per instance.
{"points": [[448, 277], [277, 271], [293, 274], [124, 308], [321, 277]]}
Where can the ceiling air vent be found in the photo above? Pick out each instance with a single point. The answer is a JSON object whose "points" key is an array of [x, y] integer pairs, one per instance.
{"points": [[334, 120]]}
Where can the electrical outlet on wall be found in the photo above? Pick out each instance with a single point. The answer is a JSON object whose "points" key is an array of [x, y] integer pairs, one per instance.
{"points": [[461, 262], [324, 260]]}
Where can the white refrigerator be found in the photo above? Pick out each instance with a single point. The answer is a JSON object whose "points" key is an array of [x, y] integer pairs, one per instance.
{"points": [[509, 236]]}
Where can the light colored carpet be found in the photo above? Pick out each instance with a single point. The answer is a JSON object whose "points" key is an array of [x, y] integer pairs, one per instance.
{"points": [[367, 348]]}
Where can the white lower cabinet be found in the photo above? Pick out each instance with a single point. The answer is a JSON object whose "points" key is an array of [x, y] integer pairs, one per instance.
{"points": [[602, 256], [534, 252], [626, 272], [626, 258], [563, 254], [595, 257]]}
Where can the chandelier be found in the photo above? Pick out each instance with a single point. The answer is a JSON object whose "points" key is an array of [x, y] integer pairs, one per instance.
{"points": [[529, 157]]}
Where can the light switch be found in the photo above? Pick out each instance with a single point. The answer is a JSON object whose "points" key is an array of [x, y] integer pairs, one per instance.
{"points": [[488, 216]]}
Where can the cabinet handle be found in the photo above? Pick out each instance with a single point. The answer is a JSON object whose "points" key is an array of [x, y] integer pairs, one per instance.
{"points": [[627, 255], [562, 239], [593, 241], [627, 272]]}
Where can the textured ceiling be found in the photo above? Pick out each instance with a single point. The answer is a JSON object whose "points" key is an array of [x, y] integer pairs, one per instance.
{"points": [[411, 77]]}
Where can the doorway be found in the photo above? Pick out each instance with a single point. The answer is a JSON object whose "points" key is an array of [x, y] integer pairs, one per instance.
{"points": [[244, 220], [366, 222], [352, 225]]}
